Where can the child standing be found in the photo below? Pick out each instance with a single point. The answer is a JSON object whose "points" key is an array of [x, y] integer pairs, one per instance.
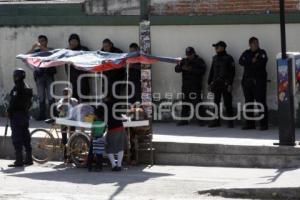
{"points": [[97, 146]]}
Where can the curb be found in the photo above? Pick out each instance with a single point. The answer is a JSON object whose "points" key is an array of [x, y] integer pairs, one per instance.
{"points": [[256, 193]]}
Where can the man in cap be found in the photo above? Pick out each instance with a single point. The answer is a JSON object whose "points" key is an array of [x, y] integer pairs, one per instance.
{"points": [[18, 113], [254, 82], [220, 81], [192, 69]]}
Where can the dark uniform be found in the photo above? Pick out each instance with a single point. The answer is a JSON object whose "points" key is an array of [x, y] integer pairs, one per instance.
{"points": [[18, 111], [135, 78], [74, 76], [192, 76], [220, 78], [115, 75], [254, 83]]}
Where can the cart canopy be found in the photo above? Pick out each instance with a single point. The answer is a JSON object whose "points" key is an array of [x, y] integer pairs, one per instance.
{"points": [[93, 61]]}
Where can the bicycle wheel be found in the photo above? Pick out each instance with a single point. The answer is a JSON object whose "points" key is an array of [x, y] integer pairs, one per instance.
{"points": [[43, 145], [78, 148]]}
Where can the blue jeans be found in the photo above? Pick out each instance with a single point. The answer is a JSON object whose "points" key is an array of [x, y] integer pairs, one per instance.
{"points": [[43, 84]]}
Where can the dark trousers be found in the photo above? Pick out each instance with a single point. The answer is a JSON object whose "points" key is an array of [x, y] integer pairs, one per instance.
{"points": [[43, 84], [20, 133], [137, 92], [83, 87], [192, 96], [135, 79], [256, 90], [227, 99], [133, 153], [91, 156]]}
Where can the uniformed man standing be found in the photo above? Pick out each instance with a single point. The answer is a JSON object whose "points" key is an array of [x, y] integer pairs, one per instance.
{"points": [[254, 82], [193, 69], [114, 75], [135, 77], [18, 113], [220, 81]]}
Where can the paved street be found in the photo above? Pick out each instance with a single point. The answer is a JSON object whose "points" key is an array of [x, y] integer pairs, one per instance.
{"points": [[56, 181], [194, 134]]}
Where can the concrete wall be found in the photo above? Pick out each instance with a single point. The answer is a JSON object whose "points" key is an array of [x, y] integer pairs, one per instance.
{"points": [[19, 40], [172, 40], [166, 41]]}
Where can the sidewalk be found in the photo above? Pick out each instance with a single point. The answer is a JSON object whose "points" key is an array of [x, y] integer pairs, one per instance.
{"points": [[55, 181], [283, 184], [202, 146], [169, 132], [220, 135]]}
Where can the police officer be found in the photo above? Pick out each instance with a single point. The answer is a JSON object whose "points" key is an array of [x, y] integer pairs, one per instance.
{"points": [[254, 82], [115, 74], [220, 81], [135, 77], [192, 69], [18, 113]]}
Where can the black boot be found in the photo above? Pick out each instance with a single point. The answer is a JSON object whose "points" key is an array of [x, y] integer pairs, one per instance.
{"points": [[19, 160], [100, 162], [182, 123], [28, 159], [201, 123], [264, 127], [214, 123], [230, 124], [249, 126]]}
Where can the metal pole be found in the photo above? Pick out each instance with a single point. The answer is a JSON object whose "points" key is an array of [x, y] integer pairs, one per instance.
{"points": [[101, 85], [282, 29], [127, 89], [96, 88], [69, 80], [144, 10]]}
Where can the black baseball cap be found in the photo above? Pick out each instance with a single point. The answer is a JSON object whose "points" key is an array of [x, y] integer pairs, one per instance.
{"points": [[220, 44], [190, 51]]}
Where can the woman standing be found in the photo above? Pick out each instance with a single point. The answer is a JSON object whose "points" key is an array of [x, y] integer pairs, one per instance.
{"points": [[116, 136]]}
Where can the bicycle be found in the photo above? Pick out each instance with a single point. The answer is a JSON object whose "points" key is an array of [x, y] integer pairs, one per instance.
{"points": [[45, 143]]}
